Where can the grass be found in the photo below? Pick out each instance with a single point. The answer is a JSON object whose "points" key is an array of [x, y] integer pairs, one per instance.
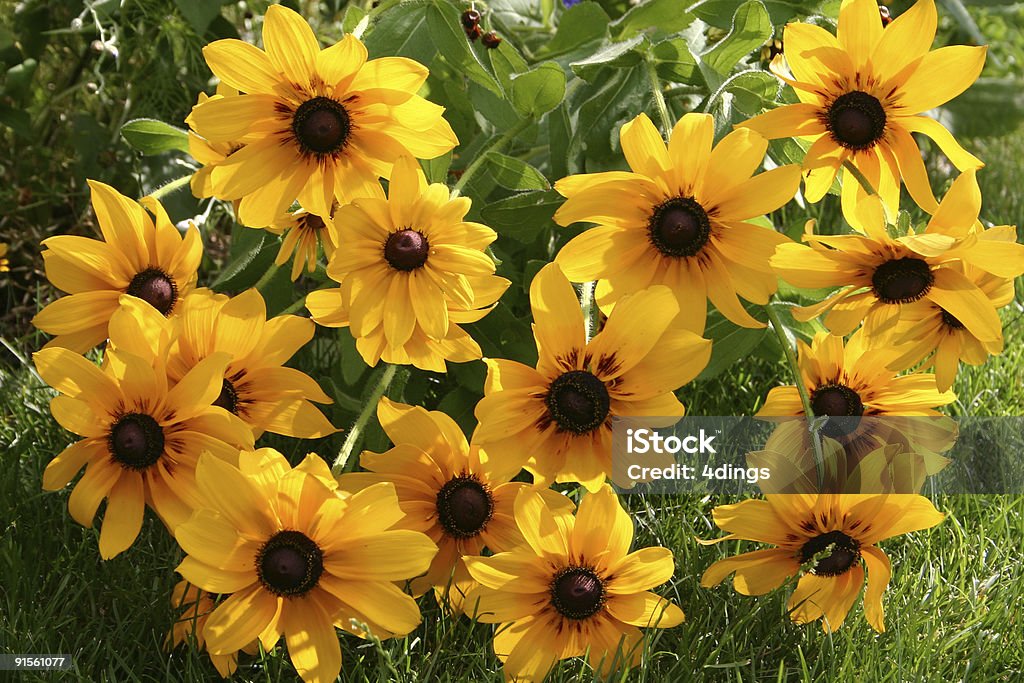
{"points": [[951, 605]]}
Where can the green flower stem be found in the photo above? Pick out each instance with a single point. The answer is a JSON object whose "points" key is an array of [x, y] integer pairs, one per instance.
{"points": [[481, 156], [170, 187], [354, 436], [589, 307], [664, 116], [805, 399], [267, 276], [864, 182]]}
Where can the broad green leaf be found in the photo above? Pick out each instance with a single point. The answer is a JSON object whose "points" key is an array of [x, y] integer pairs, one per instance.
{"points": [[751, 28], [354, 14], [752, 91], [718, 13], [539, 90], [507, 62], [523, 216], [451, 42], [618, 99], [515, 174], [619, 55], [353, 367], [402, 32], [151, 137], [199, 13], [436, 169], [245, 269], [729, 343], [675, 62], [559, 134], [577, 26], [659, 17]]}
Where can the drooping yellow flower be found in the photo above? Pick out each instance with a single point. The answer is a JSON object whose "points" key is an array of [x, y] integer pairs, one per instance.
{"points": [[4, 263], [679, 218], [926, 327], [256, 386], [448, 490], [142, 437], [138, 255], [209, 154], [861, 95], [881, 275], [193, 607], [315, 124], [556, 419], [298, 561], [304, 234], [849, 381], [575, 586], [825, 539], [411, 271]]}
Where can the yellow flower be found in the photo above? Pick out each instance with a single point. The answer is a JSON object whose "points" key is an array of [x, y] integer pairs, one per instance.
{"points": [[304, 233], [297, 561], [925, 327], [861, 95], [193, 608], [141, 436], [679, 219], [849, 381], [556, 419], [209, 154], [824, 538], [411, 271], [315, 124], [575, 586], [880, 275], [4, 263], [138, 256], [256, 387], [448, 490]]}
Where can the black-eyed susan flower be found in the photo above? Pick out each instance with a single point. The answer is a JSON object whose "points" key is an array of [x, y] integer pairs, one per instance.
{"points": [[298, 561], [828, 540], [256, 386], [679, 219], [880, 274], [315, 124], [556, 419], [411, 271], [861, 95], [925, 327], [139, 255], [448, 490], [305, 234], [4, 262], [141, 437], [192, 608], [849, 381], [573, 588]]}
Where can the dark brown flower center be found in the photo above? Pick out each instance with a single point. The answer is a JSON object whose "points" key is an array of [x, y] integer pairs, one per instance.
{"points": [[406, 249], [835, 552], [311, 221], [136, 441], [951, 321], [577, 592], [156, 288], [856, 120], [841, 404], [321, 125], [228, 398], [464, 506], [290, 564], [578, 402], [679, 227], [902, 280]]}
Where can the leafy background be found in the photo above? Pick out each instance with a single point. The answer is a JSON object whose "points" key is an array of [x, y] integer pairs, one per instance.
{"points": [[81, 78]]}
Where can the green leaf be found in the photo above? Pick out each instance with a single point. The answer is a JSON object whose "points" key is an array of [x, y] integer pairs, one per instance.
{"points": [[353, 16], [199, 13], [507, 62], [577, 26], [752, 91], [436, 169], [515, 174], [352, 364], [402, 32], [523, 216], [717, 13], [729, 343], [619, 55], [246, 268], [751, 28], [451, 41], [152, 137], [618, 99], [660, 17], [559, 134], [539, 90], [675, 62]]}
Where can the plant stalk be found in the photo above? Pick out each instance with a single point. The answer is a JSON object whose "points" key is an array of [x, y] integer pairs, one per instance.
{"points": [[354, 435]]}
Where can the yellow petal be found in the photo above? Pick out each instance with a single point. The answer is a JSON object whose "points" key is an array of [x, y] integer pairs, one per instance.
{"points": [[940, 76], [644, 147], [122, 519], [908, 37], [791, 120], [290, 44], [860, 29], [242, 66], [879, 573], [641, 570], [239, 620]]}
